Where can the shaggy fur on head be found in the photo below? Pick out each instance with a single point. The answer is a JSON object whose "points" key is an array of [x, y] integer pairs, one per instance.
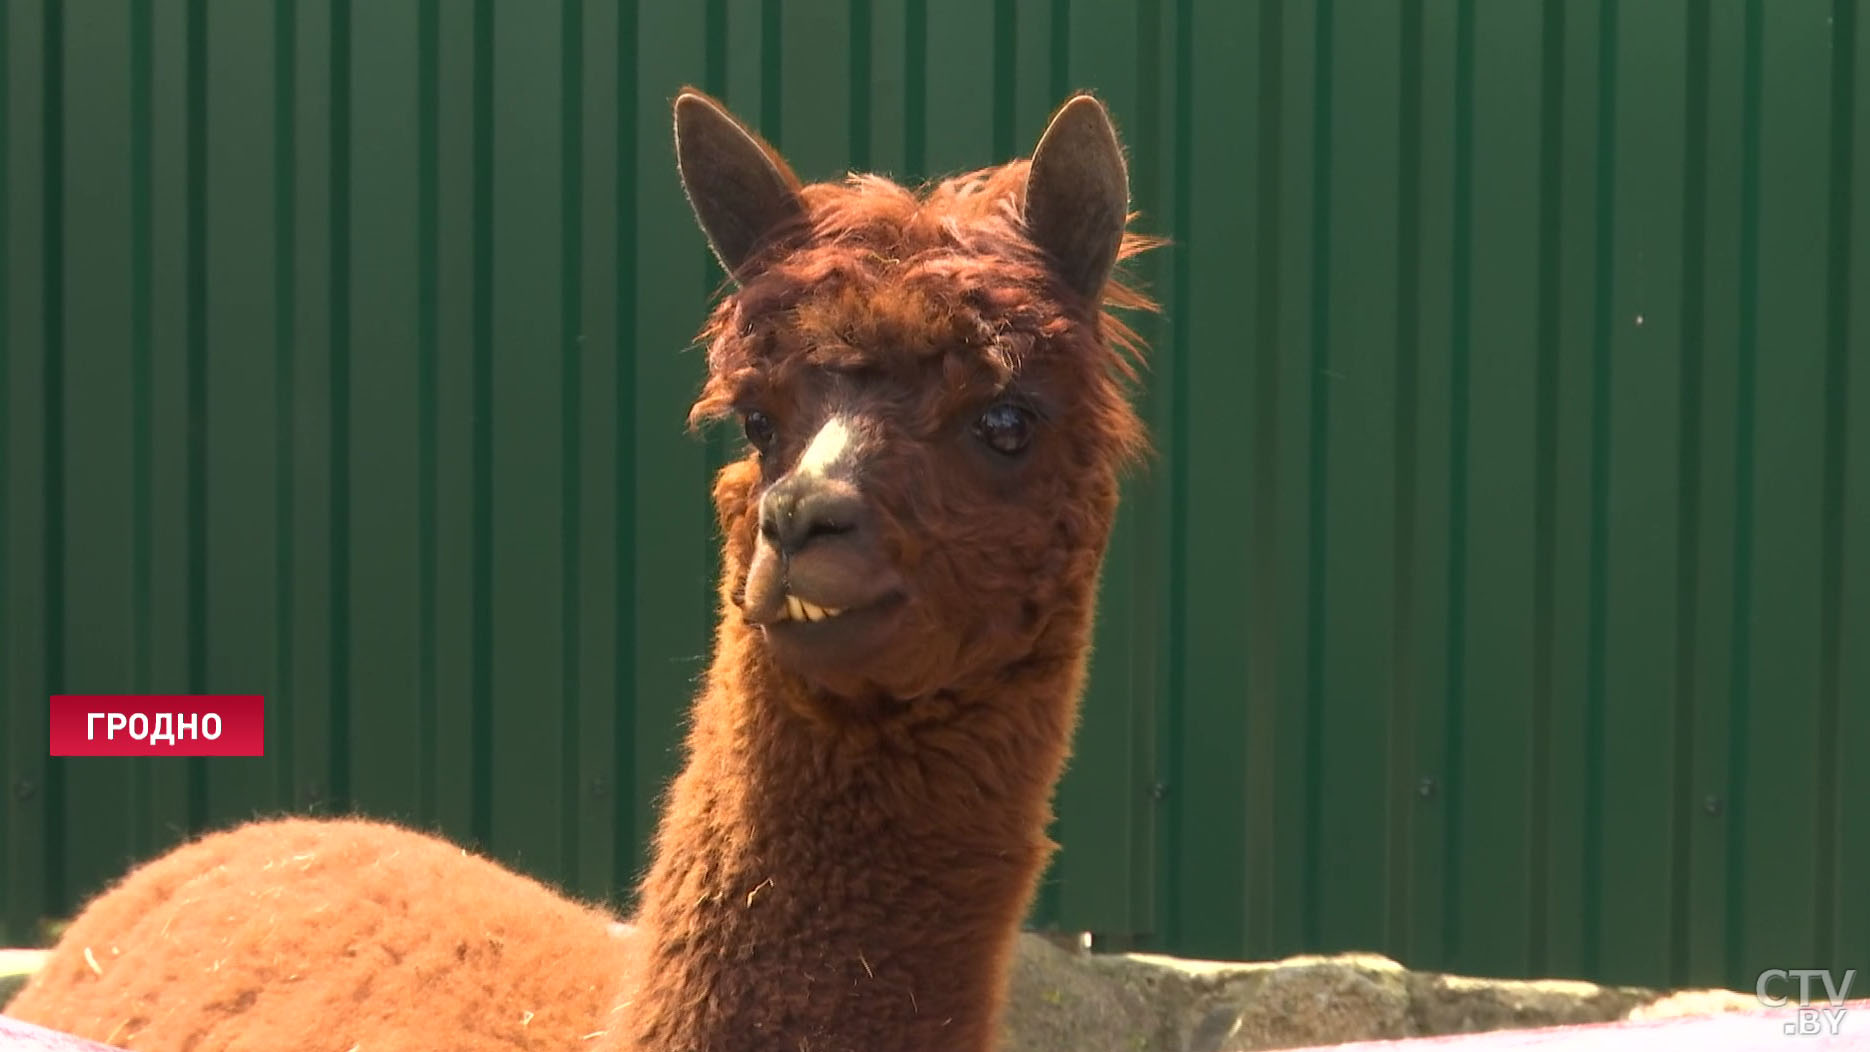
{"points": [[300, 935], [843, 863]]}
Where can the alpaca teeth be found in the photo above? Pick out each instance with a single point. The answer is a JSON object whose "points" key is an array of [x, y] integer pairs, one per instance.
{"points": [[801, 610]]}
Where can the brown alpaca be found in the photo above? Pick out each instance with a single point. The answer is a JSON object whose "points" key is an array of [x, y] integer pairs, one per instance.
{"points": [[302, 935], [934, 403], [935, 411]]}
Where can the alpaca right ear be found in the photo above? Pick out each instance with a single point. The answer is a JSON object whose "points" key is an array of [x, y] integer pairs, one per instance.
{"points": [[1078, 194], [741, 190]]}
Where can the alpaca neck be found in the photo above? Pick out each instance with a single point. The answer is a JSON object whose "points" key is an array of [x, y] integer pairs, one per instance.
{"points": [[846, 886]]}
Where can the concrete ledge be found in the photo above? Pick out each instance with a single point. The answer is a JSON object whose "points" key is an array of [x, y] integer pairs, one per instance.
{"points": [[1067, 1000], [15, 966], [1724, 1032]]}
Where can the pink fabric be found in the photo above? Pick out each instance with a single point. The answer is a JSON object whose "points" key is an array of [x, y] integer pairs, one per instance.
{"points": [[16, 1036]]}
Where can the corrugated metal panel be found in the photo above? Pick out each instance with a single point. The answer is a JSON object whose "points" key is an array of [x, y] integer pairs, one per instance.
{"points": [[1499, 599]]}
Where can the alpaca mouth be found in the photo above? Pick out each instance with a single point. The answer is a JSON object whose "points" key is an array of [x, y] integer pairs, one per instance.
{"points": [[798, 612], [809, 636], [798, 609], [823, 586]]}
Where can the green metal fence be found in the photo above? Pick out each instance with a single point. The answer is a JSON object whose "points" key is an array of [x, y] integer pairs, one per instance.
{"points": [[1500, 598]]}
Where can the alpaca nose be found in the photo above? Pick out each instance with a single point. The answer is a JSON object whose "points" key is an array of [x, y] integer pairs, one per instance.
{"points": [[806, 508]]}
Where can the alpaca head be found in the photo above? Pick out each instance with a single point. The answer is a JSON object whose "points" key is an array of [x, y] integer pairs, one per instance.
{"points": [[933, 401]]}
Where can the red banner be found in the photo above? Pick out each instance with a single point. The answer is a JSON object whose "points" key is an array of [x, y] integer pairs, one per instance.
{"points": [[158, 725]]}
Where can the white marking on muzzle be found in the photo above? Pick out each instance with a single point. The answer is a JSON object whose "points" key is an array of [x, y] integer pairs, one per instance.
{"points": [[830, 449]]}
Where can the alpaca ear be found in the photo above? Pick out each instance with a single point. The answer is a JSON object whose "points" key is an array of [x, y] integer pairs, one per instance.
{"points": [[741, 190], [1078, 194]]}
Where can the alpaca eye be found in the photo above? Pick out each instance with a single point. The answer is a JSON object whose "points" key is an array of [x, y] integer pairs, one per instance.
{"points": [[759, 429], [1005, 428]]}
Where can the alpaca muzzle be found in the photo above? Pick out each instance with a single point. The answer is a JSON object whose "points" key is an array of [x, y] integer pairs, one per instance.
{"points": [[817, 556], [806, 509]]}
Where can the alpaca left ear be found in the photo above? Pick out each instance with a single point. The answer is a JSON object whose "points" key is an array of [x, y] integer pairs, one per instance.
{"points": [[1078, 194], [741, 190]]}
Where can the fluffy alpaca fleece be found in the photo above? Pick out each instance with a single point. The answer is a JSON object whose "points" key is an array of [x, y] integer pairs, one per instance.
{"points": [[936, 417], [334, 935]]}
